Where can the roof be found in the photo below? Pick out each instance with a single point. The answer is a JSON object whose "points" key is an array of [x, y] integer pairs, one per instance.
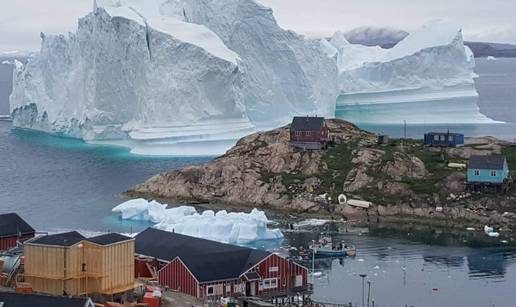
{"points": [[108, 239], [250, 276], [60, 239], [207, 260], [32, 300], [307, 123], [11, 224], [493, 162]]}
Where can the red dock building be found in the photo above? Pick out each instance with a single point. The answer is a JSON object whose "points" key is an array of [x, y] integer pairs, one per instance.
{"points": [[209, 270]]}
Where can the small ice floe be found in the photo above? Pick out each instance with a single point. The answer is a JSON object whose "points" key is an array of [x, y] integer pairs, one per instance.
{"points": [[491, 58], [361, 260], [490, 231], [470, 229], [310, 223], [376, 267], [504, 241]]}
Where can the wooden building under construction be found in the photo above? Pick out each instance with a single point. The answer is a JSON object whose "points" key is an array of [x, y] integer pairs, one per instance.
{"points": [[70, 264]]}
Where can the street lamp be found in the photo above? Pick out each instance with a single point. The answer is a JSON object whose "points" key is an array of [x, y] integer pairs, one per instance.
{"points": [[363, 280]]}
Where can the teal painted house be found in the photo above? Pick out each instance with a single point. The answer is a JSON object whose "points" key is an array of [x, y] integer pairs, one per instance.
{"points": [[488, 173]]}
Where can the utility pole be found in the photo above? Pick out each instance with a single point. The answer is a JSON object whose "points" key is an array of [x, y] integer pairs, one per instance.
{"points": [[363, 286], [368, 292]]}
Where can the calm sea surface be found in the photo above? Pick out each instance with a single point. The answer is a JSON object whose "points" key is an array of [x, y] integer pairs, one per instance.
{"points": [[62, 184]]}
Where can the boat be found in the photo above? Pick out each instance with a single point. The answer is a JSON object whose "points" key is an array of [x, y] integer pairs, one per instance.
{"points": [[325, 247]]}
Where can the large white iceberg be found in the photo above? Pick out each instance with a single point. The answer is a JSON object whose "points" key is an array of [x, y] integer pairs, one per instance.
{"points": [[179, 77], [149, 75], [235, 228], [429, 69]]}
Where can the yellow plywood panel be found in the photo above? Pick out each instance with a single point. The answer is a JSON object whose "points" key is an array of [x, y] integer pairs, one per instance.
{"points": [[82, 268]]}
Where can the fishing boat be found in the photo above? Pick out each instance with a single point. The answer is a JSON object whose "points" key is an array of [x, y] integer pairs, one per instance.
{"points": [[325, 247]]}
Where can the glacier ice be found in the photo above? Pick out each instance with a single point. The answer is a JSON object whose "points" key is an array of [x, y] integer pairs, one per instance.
{"points": [[430, 68], [233, 227], [152, 75], [174, 77]]}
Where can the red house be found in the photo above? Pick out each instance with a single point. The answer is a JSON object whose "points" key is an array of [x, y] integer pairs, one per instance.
{"points": [[309, 133], [13, 229], [209, 270]]}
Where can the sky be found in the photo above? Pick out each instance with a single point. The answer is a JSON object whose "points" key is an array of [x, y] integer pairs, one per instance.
{"points": [[21, 21]]}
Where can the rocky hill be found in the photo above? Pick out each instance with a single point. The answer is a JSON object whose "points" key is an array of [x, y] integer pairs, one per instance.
{"points": [[403, 179]]}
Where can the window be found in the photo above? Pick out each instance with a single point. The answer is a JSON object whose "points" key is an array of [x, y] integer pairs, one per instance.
{"points": [[298, 133], [210, 290], [436, 137], [476, 172], [270, 283], [273, 269], [493, 173], [450, 138], [443, 138]]}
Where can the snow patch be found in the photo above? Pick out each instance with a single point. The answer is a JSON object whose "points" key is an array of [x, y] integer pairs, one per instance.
{"points": [[234, 228]]}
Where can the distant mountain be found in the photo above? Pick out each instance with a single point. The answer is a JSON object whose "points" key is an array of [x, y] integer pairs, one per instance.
{"points": [[482, 49], [375, 36], [389, 37]]}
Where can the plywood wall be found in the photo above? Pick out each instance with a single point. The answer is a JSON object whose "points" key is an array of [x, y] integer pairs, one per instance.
{"points": [[80, 269]]}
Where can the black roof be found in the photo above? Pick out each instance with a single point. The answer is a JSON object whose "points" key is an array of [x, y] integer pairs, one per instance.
{"points": [[207, 260], [307, 123], [109, 238], [60, 239], [493, 162], [32, 300], [252, 276], [11, 224]]}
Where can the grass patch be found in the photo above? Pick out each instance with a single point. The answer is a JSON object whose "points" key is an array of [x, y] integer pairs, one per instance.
{"points": [[338, 159]]}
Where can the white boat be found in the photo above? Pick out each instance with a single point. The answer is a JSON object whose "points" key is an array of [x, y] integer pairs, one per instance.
{"points": [[327, 248]]}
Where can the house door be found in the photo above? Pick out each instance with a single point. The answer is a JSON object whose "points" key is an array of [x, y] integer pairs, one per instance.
{"points": [[250, 288]]}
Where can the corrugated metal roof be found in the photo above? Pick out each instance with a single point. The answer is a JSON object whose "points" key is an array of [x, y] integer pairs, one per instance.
{"points": [[207, 260], [307, 123], [493, 162]]}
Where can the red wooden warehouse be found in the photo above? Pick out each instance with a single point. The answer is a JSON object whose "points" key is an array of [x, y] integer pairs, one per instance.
{"points": [[207, 269], [309, 133], [13, 229]]}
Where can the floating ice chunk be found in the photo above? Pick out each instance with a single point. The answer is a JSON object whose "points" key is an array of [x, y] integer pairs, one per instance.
{"points": [[488, 229], [494, 234], [311, 222], [491, 58], [232, 227], [470, 229]]}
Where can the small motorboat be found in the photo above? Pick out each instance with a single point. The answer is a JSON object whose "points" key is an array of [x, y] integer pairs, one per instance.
{"points": [[327, 248]]}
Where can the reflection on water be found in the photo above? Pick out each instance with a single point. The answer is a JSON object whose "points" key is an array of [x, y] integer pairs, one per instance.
{"points": [[415, 265]]}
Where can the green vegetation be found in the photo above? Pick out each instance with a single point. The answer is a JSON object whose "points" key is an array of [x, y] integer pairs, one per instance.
{"points": [[338, 162]]}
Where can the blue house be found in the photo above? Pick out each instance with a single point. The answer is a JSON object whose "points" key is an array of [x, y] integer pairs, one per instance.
{"points": [[444, 139], [488, 173]]}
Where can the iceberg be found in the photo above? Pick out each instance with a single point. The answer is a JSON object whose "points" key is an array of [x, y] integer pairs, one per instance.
{"points": [[170, 77], [174, 77], [232, 227], [429, 69]]}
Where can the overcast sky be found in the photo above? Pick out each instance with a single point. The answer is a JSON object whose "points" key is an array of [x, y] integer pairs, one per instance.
{"points": [[21, 21]]}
